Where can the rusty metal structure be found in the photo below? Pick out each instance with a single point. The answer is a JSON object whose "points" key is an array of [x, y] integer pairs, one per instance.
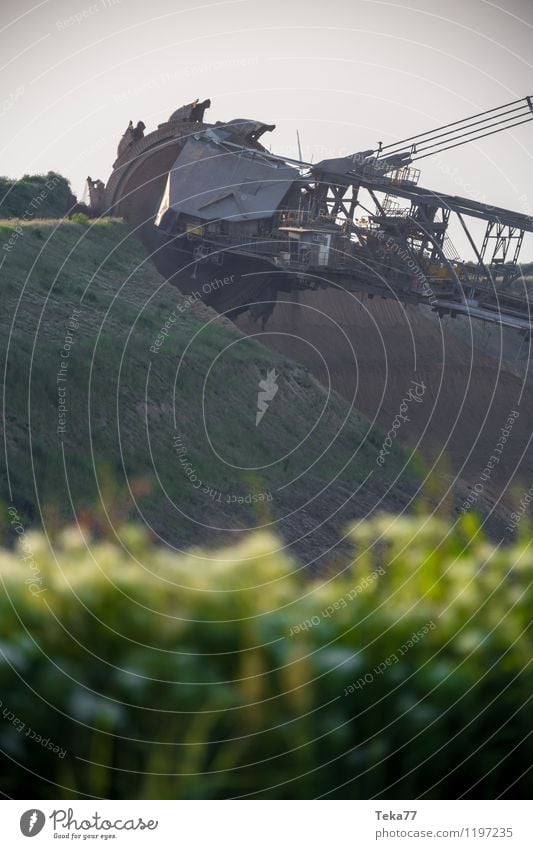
{"points": [[228, 220]]}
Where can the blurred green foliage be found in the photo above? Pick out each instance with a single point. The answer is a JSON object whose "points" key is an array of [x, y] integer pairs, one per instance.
{"points": [[230, 673]]}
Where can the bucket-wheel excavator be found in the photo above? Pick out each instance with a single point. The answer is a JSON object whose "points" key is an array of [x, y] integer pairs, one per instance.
{"points": [[235, 224]]}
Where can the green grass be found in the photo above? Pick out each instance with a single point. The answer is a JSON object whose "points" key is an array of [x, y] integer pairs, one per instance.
{"points": [[54, 268]]}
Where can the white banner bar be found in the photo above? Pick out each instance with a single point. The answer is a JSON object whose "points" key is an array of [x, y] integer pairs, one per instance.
{"points": [[267, 824]]}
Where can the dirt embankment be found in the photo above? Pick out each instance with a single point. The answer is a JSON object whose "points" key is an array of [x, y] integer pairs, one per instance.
{"points": [[371, 350]]}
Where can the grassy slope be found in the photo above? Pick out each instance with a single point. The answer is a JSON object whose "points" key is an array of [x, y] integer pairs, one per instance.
{"points": [[101, 270], [408, 676]]}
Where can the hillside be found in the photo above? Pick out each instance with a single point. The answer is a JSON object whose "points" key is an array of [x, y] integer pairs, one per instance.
{"points": [[121, 392]]}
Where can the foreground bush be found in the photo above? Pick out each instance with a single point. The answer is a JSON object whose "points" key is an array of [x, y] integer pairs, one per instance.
{"points": [[131, 671]]}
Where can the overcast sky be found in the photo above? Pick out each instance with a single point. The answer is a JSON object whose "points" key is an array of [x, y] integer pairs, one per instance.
{"points": [[346, 73]]}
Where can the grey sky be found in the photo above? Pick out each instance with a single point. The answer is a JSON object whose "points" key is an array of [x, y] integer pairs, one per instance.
{"points": [[346, 73]]}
